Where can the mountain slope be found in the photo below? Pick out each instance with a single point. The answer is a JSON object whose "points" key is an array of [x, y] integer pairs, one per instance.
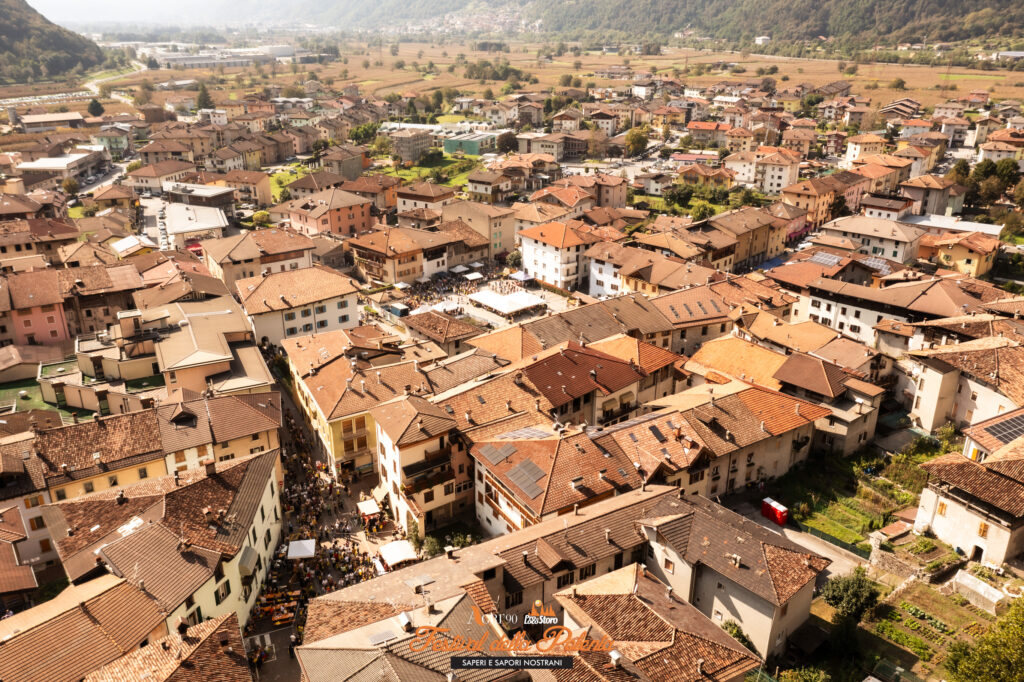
{"points": [[29, 41], [787, 19]]}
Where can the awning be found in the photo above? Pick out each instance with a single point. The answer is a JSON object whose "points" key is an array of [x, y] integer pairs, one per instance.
{"points": [[301, 549], [422, 280], [476, 264], [402, 285], [520, 276], [379, 493], [459, 269], [379, 566], [473, 276], [247, 562], [398, 552], [368, 508]]}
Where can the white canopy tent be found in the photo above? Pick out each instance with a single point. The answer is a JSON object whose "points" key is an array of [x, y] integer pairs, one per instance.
{"points": [[474, 276], [506, 304], [397, 552], [368, 507], [459, 269], [301, 549]]}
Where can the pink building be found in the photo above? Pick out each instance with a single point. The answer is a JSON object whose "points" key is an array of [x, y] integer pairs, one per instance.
{"points": [[37, 309]]}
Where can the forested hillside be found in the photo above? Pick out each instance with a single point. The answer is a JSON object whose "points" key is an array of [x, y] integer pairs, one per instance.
{"points": [[32, 46], [884, 20]]}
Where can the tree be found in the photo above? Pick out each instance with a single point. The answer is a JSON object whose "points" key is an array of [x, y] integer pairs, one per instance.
{"points": [[70, 186], [514, 259], [701, 210], [983, 170], [133, 166], [261, 218], [996, 656], [203, 99], [488, 94], [381, 145], [152, 63], [990, 190], [597, 144], [1018, 194], [507, 142], [1007, 172], [142, 96], [960, 171], [898, 84], [679, 195], [736, 632], [636, 141], [432, 546], [850, 595], [95, 108], [838, 207], [285, 194]]}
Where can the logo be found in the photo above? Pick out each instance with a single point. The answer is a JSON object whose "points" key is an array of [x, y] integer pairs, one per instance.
{"points": [[540, 615]]}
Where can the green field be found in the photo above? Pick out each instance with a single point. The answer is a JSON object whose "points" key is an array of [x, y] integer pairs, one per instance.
{"points": [[281, 178]]}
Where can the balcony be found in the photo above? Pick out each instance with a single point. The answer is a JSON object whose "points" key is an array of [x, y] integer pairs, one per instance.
{"points": [[432, 461]]}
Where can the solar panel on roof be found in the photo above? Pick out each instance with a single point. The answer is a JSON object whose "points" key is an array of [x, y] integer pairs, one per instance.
{"points": [[657, 433], [507, 450], [381, 637], [523, 477], [1008, 429], [524, 434], [827, 259], [492, 454]]}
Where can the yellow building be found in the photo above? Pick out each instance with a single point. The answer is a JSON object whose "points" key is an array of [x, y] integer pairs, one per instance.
{"points": [[970, 253], [699, 175], [813, 195]]}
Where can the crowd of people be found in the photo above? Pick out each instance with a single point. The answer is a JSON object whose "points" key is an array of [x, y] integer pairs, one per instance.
{"points": [[438, 289]]}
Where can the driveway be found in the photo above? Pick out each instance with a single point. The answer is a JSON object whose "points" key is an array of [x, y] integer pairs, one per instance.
{"points": [[843, 562]]}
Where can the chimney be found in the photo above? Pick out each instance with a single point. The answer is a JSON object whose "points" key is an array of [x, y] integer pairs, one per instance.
{"points": [[428, 608], [208, 514], [616, 658], [700, 667], [668, 591], [608, 535], [378, 377], [526, 556], [348, 383], [177, 479], [508, 405], [211, 468]]}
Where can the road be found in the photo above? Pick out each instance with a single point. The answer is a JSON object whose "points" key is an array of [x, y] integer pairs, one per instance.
{"points": [[94, 85]]}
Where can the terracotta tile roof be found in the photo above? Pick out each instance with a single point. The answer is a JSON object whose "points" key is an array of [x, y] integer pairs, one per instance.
{"points": [[426, 190], [999, 483], [316, 182], [161, 169], [211, 651], [328, 618], [575, 370], [35, 230], [812, 374], [560, 459], [697, 305], [99, 518], [495, 401], [33, 289], [740, 359], [997, 361], [151, 559], [120, 440], [78, 631], [538, 212], [441, 328], [648, 357], [217, 419], [561, 235], [255, 245], [477, 591], [464, 233], [980, 433], [662, 442], [321, 203], [570, 196], [290, 289], [394, 242], [661, 636], [845, 352], [412, 419]]}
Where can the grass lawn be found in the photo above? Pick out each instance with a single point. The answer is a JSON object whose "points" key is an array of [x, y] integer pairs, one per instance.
{"points": [[833, 495], [76, 212], [447, 165], [451, 118], [281, 178]]}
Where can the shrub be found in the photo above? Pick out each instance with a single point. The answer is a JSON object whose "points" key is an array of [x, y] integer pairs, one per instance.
{"points": [[912, 642]]}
